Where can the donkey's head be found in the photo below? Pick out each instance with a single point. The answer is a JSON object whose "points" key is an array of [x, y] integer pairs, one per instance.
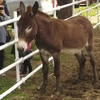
{"points": [[27, 27]]}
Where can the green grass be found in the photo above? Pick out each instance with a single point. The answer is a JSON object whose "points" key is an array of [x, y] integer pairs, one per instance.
{"points": [[91, 13], [7, 81]]}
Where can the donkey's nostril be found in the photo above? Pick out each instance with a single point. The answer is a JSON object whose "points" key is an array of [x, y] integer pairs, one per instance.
{"points": [[21, 46], [21, 50]]}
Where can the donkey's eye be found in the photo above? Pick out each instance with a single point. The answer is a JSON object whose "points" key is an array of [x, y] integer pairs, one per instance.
{"points": [[28, 29]]}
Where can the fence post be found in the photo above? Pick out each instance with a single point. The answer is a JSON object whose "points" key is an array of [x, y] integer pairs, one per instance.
{"points": [[16, 51], [54, 15], [73, 7], [98, 12], [87, 5]]}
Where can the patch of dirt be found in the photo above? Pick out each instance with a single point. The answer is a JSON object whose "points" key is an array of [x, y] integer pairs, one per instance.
{"points": [[69, 74]]}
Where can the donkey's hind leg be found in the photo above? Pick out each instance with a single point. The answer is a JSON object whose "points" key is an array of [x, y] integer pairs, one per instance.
{"points": [[81, 60], [92, 61]]}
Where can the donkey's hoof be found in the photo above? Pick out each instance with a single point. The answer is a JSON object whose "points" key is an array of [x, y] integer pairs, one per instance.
{"points": [[42, 91], [95, 82], [57, 93]]}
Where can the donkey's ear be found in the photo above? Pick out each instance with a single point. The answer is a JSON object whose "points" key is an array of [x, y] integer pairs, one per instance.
{"points": [[22, 7], [35, 8]]}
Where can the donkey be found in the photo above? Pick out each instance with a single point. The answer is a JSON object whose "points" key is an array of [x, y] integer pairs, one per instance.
{"points": [[52, 36]]}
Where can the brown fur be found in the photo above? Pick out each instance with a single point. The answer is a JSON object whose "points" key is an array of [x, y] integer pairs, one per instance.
{"points": [[52, 35]]}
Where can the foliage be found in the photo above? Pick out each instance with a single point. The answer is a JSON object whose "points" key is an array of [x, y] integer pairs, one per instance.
{"points": [[91, 13]]}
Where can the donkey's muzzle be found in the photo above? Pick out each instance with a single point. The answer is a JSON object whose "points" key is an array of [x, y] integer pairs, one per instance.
{"points": [[21, 50], [21, 46]]}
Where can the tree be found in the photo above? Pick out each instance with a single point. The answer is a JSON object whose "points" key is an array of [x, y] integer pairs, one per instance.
{"points": [[65, 12]]}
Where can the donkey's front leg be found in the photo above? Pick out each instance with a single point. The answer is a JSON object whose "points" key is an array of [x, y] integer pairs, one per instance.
{"points": [[56, 57], [45, 72]]}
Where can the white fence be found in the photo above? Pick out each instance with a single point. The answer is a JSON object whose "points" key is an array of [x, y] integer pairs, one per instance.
{"points": [[19, 60]]}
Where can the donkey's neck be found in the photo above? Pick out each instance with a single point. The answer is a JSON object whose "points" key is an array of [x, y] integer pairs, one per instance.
{"points": [[42, 17]]}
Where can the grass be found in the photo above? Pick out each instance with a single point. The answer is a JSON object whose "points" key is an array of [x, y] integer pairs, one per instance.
{"points": [[91, 13], [7, 82]]}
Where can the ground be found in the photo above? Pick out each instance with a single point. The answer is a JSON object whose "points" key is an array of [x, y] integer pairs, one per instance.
{"points": [[69, 74]]}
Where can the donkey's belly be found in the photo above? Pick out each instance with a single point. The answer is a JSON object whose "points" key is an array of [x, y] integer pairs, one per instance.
{"points": [[71, 51], [74, 50]]}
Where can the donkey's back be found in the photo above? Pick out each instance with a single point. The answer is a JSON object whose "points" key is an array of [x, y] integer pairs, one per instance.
{"points": [[73, 34]]}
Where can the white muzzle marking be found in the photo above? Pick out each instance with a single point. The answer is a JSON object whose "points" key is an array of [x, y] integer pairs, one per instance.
{"points": [[22, 44]]}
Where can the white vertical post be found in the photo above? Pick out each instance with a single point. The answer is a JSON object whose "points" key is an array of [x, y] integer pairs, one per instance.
{"points": [[16, 51], [98, 12], [55, 2], [73, 7], [87, 4]]}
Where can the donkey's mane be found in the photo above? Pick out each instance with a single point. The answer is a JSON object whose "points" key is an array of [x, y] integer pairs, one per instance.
{"points": [[43, 14]]}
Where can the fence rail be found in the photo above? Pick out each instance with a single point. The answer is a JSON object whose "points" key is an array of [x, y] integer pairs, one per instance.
{"points": [[19, 60]]}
